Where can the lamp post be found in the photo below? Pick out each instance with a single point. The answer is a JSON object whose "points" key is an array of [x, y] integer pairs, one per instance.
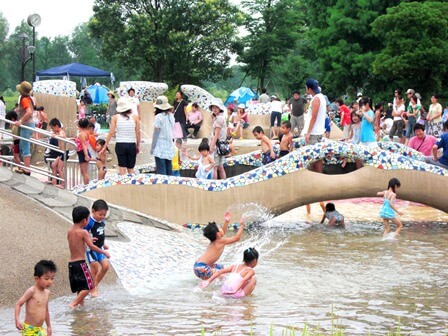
{"points": [[34, 21], [26, 54]]}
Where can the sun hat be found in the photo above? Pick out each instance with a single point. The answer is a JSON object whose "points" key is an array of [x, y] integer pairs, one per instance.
{"points": [[359, 94], [124, 104], [162, 103], [274, 97], [111, 93], [218, 103], [242, 106], [24, 88], [410, 91]]}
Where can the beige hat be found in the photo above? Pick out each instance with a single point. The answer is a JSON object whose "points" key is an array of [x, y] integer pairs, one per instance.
{"points": [[162, 103], [410, 91], [124, 104], [24, 88], [111, 93]]}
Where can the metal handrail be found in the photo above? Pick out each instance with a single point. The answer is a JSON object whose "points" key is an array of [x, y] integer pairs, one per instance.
{"points": [[66, 142]]}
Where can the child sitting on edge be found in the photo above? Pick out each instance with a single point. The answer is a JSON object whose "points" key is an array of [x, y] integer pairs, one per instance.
{"points": [[81, 281], [101, 158], [206, 265], [99, 265], [205, 161], [286, 141], [176, 162], [36, 299], [267, 150], [241, 281], [334, 217]]}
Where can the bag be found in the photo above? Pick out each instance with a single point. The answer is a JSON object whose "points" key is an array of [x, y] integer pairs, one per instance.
{"points": [[177, 131], [222, 147], [423, 113]]}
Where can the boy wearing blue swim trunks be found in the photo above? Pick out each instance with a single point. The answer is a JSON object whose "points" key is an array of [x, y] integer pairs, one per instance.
{"points": [[99, 264], [206, 265]]}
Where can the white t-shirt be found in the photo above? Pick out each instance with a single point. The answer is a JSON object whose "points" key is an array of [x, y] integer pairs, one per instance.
{"points": [[276, 106], [400, 109], [319, 125], [135, 102]]}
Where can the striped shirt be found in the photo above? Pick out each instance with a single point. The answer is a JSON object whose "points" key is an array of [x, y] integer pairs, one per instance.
{"points": [[125, 129]]}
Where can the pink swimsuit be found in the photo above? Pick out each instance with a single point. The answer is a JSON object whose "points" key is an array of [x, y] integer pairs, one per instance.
{"points": [[232, 282]]}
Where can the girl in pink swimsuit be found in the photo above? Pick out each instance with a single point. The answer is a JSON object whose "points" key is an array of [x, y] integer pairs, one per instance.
{"points": [[241, 281]]}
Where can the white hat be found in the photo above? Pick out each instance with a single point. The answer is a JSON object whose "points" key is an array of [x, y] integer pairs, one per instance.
{"points": [[359, 94], [162, 103], [124, 104], [410, 91], [274, 97], [217, 102], [242, 106]]}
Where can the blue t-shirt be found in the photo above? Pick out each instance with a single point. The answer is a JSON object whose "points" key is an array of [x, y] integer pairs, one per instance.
{"points": [[327, 124], [443, 143], [367, 133]]}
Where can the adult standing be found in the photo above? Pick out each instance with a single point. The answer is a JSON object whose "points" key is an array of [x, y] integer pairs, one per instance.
{"points": [[180, 113], [413, 113], [264, 98], [296, 105], [421, 142], [25, 118], [276, 108], [125, 126], [135, 102], [162, 140], [398, 124], [317, 110], [434, 117], [2, 113], [111, 106], [219, 131]]}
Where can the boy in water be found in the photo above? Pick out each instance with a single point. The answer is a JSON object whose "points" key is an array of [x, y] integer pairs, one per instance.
{"points": [[286, 141], [266, 146], [81, 281], [99, 265], [36, 299], [206, 265]]}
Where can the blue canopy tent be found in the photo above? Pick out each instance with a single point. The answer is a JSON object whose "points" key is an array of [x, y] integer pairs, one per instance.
{"points": [[75, 70], [242, 95], [98, 93]]}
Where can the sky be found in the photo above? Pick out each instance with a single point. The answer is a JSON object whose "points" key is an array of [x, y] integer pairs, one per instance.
{"points": [[58, 17]]}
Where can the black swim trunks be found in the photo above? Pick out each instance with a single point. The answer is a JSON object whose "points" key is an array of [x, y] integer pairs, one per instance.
{"points": [[267, 157], [283, 153], [79, 276]]}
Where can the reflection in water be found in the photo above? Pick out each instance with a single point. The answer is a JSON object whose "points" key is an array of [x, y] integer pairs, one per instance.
{"points": [[306, 270]]}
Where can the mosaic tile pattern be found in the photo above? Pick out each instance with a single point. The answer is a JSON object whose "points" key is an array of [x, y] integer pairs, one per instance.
{"points": [[144, 91], [56, 87], [299, 159], [198, 95]]}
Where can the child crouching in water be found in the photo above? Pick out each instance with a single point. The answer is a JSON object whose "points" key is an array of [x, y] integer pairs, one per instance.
{"points": [[335, 218], [241, 281], [388, 210]]}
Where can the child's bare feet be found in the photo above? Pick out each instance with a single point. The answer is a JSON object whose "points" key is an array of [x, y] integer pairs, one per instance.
{"points": [[94, 292]]}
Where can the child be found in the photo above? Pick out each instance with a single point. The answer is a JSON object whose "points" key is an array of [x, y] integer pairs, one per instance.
{"points": [[57, 166], [232, 117], [101, 158], [286, 141], [334, 217], [241, 281], [268, 154], [42, 117], [99, 265], [356, 128], [176, 162], [389, 211], [205, 161], [12, 116], [36, 299], [82, 145], [81, 110], [242, 121], [206, 265], [81, 281]]}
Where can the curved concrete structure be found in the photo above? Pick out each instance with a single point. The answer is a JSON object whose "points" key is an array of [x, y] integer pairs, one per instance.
{"points": [[280, 186]]}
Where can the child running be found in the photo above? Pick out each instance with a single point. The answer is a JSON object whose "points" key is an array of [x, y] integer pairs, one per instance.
{"points": [[206, 265], [335, 218], [81, 281], [205, 161], [99, 265], [389, 211], [101, 158], [286, 141], [36, 299], [241, 281], [267, 150]]}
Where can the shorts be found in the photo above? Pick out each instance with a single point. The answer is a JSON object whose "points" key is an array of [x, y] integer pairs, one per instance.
{"points": [[93, 256], [82, 157], [15, 147], [314, 139], [276, 116], [44, 126], [126, 154], [397, 128], [63, 156], [245, 125], [29, 330], [283, 153], [79, 276], [25, 146], [204, 271], [267, 157], [219, 159], [176, 173]]}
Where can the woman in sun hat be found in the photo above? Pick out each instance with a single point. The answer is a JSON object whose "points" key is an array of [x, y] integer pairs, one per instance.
{"points": [[219, 132], [162, 140], [126, 128], [111, 106], [25, 118]]}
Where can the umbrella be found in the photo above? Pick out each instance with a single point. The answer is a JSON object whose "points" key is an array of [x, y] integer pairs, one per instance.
{"points": [[242, 95], [98, 93]]}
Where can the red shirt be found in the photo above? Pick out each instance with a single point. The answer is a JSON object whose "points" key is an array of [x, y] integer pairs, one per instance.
{"points": [[346, 118]]}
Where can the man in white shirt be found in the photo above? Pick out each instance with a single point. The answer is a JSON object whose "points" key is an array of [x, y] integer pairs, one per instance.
{"points": [[135, 102]]}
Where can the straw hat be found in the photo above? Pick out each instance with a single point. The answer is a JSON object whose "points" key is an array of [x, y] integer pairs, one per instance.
{"points": [[24, 88], [162, 103], [124, 104], [111, 93]]}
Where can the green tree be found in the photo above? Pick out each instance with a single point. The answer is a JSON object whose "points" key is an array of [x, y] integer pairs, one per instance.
{"points": [[4, 75], [177, 41], [415, 37], [274, 27]]}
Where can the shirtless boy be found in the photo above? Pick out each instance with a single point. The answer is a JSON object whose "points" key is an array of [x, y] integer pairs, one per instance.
{"points": [[206, 265], [266, 146], [286, 142], [36, 299], [81, 280]]}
